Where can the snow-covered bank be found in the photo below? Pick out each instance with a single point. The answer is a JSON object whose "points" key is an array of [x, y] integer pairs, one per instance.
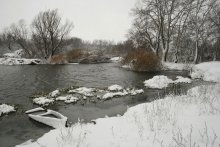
{"points": [[176, 66], [162, 81], [186, 120], [5, 109], [208, 71], [19, 61]]}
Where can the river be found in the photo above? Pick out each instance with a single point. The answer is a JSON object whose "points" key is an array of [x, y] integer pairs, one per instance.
{"points": [[18, 83]]}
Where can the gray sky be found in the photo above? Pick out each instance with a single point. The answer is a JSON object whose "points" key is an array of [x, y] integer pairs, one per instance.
{"points": [[93, 19]]}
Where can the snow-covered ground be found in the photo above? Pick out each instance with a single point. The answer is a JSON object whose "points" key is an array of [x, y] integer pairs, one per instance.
{"points": [[176, 66], [162, 81], [208, 71], [15, 58], [5, 109]]}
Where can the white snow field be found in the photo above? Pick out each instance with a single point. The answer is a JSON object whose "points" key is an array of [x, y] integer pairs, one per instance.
{"points": [[162, 81], [189, 120], [5, 109], [208, 71]]}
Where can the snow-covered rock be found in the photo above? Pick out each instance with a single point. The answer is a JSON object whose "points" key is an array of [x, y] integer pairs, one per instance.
{"points": [[158, 82], [83, 91], [135, 92], [162, 81], [115, 87], [5, 109], [67, 99], [109, 95], [181, 79], [44, 101], [54, 93], [208, 71]]}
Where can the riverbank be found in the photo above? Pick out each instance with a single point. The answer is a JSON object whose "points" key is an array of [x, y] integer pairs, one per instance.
{"points": [[190, 119]]}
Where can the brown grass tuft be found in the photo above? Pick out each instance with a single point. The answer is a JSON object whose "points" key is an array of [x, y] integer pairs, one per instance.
{"points": [[74, 55]]}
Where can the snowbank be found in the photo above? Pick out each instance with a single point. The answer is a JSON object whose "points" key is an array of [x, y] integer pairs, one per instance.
{"points": [[208, 71], [188, 120], [19, 61], [16, 54], [5, 109], [162, 81], [176, 66]]}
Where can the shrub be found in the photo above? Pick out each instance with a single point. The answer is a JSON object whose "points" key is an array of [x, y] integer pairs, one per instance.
{"points": [[58, 59], [141, 60], [74, 55]]}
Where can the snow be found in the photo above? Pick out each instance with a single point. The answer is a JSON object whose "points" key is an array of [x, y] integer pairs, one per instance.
{"points": [[109, 95], [208, 71], [135, 92], [19, 61], [44, 101], [16, 54], [67, 99], [187, 120], [5, 109], [126, 66], [54, 93], [181, 79], [176, 66], [162, 81], [158, 82], [116, 59], [115, 87], [84, 91]]}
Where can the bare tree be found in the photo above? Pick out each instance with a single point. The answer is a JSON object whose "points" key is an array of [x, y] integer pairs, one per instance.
{"points": [[156, 22], [49, 32], [19, 34]]}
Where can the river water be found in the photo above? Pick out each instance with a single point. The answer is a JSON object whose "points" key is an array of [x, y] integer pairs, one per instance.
{"points": [[18, 83]]}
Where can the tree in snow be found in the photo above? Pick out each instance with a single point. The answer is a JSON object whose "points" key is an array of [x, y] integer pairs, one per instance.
{"points": [[49, 32]]}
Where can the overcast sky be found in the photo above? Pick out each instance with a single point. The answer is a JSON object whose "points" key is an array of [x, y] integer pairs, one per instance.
{"points": [[92, 19]]}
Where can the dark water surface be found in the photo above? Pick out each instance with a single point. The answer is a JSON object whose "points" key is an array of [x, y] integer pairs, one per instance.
{"points": [[18, 83]]}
